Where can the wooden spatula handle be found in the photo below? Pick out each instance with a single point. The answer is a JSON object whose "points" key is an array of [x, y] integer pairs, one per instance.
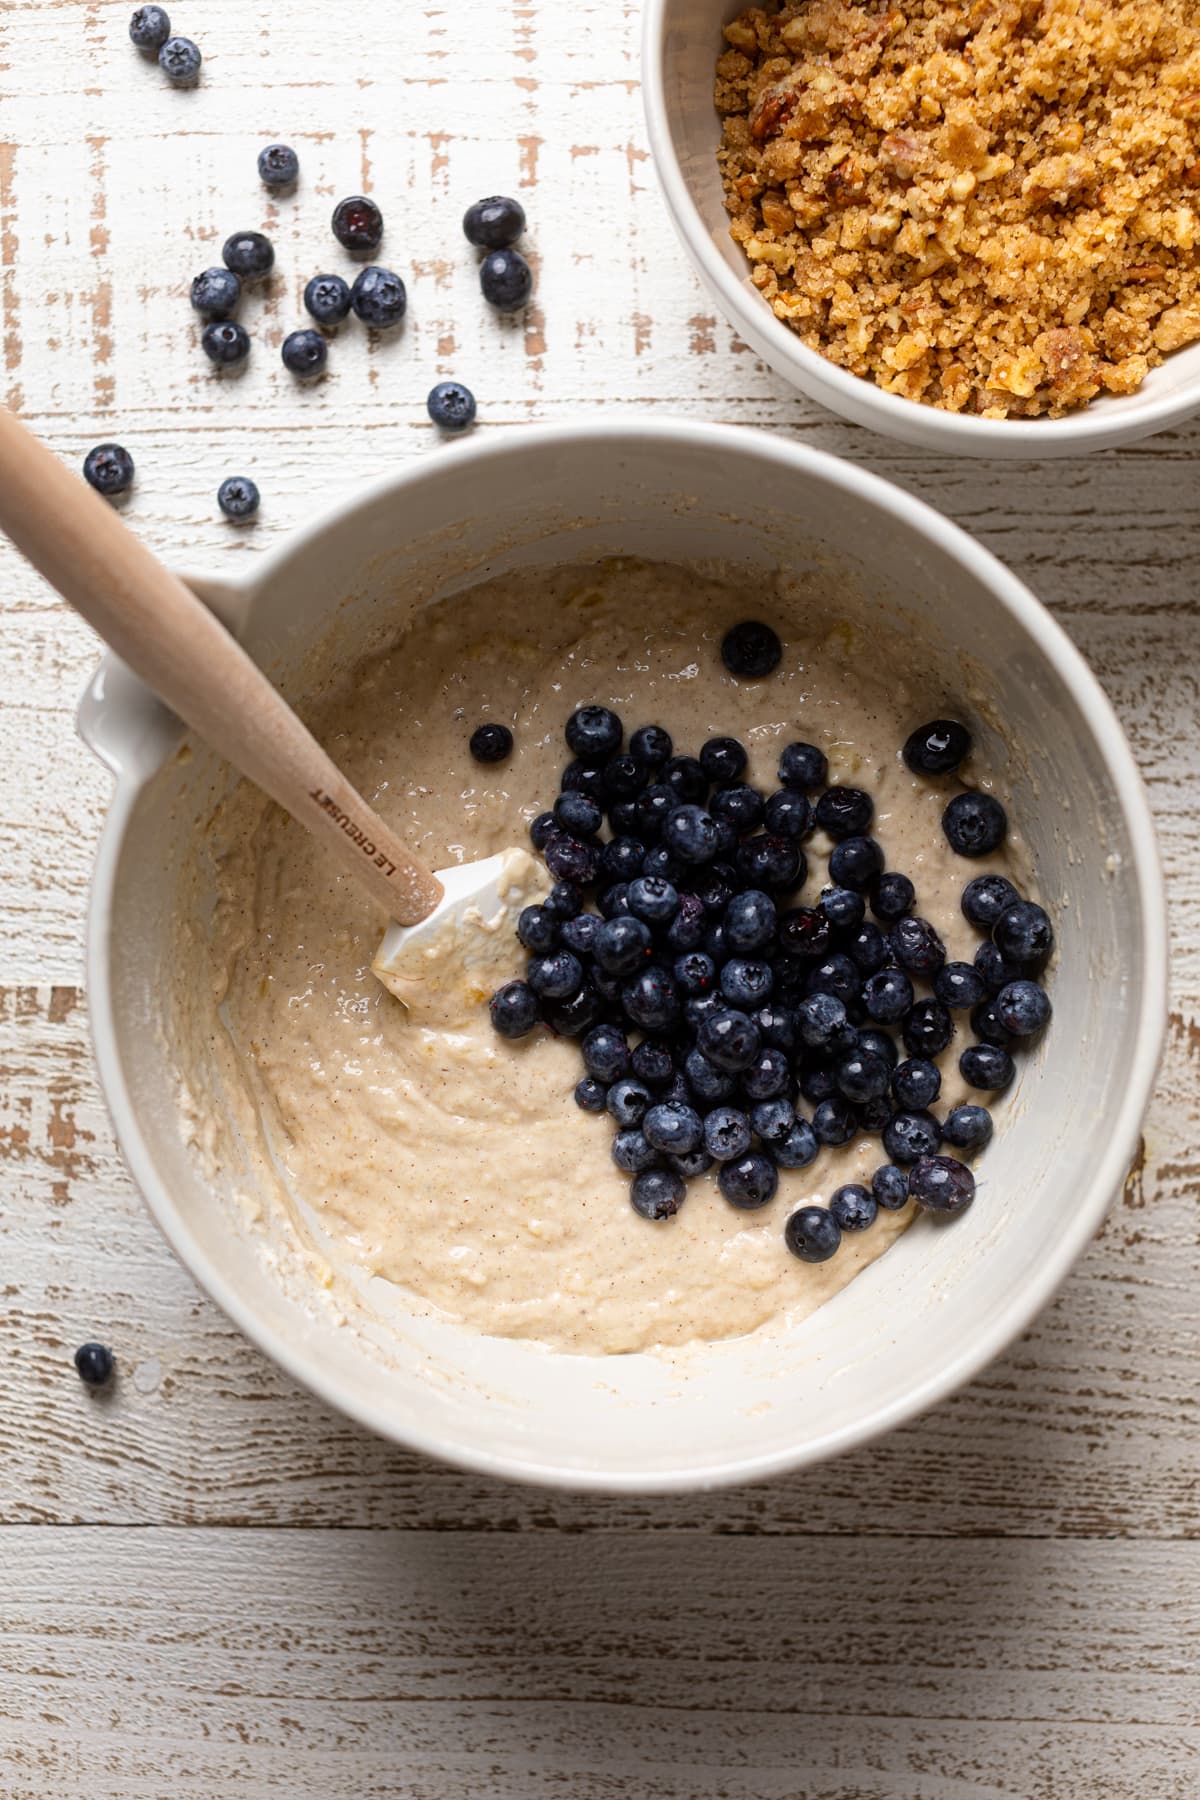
{"points": [[181, 651]]}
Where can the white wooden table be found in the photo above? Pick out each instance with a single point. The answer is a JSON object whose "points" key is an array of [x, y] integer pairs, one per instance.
{"points": [[209, 1584]]}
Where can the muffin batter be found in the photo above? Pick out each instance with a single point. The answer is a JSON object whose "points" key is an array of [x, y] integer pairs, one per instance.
{"points": [[450, 1161]]}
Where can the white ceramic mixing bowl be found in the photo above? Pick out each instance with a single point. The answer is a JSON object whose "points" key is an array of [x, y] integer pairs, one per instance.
{"points": [[924, 1317], [681, 41]]}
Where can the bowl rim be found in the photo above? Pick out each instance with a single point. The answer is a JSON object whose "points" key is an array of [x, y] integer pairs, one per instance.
{"points": [[298, 1355], [851, 396]]}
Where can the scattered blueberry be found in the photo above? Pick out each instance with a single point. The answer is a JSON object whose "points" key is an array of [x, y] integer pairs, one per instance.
{"points": [[1023, 1008], [746, 983], [238, 497], [916, 1083], [542, 829], [820, 1019], [729, 1040], [628, 1100], [225, 342], [927, 1028], [357, 224], [788, 814], [798, 1148], [742, 806], [942, 1184], [804, 931], [691, 834], [216, 293], [593, 733], [843, 907], [889, 1187], [917, 946], [564, 900], [578, 815], [986, 1066], [653, 900], [773, 1119], [591, 1095], [621, 944], [959, 985], [855, 862], [657, 1193], [633, 1152], [180, 59], [768, 1076], [707, 1082], [651, 745], [1024, 935], [278, 165], [802, 767], [893, 895], [868, 949], [695, 973], [95, 1363], [379, 297], [974, 824], [881, 1044], [910, 1135], [994, 970], [968, 1127], [988, 1025], [723, 760], [812, 1234], [514, 1009], [833, 1121], [505, 280], [451, 406], [844, 812], [887, 996], [696, 1162], [491, 743], [748, 1181], [985, 898], [673, 1128], [149, 28], [751, 650], [495, 223], [651, 999], [108, 468], [249, 254], [853, 1206], [327, 299], [653, 1063], [862, 1076], [772, 862], [556, 975], [304, 353], [937, 748]]}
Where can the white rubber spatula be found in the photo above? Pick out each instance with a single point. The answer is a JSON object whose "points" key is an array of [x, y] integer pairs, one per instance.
{"points": [[447, 942]]}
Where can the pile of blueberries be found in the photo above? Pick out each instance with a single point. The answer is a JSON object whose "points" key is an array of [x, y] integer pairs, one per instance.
{"points": [[708, 1004]]}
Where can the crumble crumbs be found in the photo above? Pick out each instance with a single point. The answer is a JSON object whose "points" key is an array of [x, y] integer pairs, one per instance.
{"points": [[992, 206]]}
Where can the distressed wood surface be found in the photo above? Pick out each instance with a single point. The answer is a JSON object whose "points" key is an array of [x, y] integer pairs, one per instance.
{"points": [[252, 1593]]}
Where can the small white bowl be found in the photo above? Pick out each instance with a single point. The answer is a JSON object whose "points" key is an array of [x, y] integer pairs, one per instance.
{"points": [[681, 41], [923, 1318]]}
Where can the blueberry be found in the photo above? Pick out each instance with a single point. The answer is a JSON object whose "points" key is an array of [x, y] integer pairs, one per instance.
{"points": [[873, 1115], [450, 405], [916, 1083], [491, 743], [591, 1096], [652, 1062], [572, 1017], [673, 1128], [746, 983], [623, 777], [942, 1184], [959, 985], [751, 649], [812, 1234], [777, 1026], [216, 292], [894, 894], [651, 999], [695, 973], [988, 1025], [843, 907], [304, 353], [798, 1148], [889, 1187], [593, 733], [836, 975], [357, 224], [787, 814], [604, 1050], [621, 945], [654, 900], [986, 1066], [749, 922], [818, 1084], [862, 1076], [568, 859], [686, 779], [614, 901], [278, 165], [1024, 935], [879, 1044], [578, 816], [505, 280], [715, 887], [556, 975], [628, 1100], [917, 946], [1023, 1008], [542, 829], [723, 760], [768, 1076], [658, 861], [651, 745], [729, 1040], [820, 1018], [855, 862], [802, 767], [225, 342], [740, 806], [772, 862], [564, 900], [845, 812], [495, 223], [380, 299], [937, 748], [968, 1127], [727, 1133], [993, 969], [327, 299], [620, 858], [180, 59], [927, 1028], [690, 833], [974, 824], [709, 1084], [985, 898], [748, 1181], [657, 1193], [805, 931], [633, 1152], [108, 468], [94, 1363], [853, 1206], [868, 949], [149, 28], [238, 497], [696, 1162], [514, 1009], [909, 1135], [249, 254], [887, 996], [833, 1121], [773, 1119], [578, 933]]}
